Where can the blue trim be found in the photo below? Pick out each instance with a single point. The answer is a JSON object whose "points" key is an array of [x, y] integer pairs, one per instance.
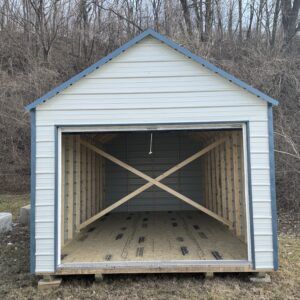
{"points": [[273, 189], [250, 196], [182, 50], [32, 192], [56, 199]]}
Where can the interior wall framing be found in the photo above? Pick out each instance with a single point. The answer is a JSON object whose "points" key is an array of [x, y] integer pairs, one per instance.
{"points": [[82, 185], [222, 187]]}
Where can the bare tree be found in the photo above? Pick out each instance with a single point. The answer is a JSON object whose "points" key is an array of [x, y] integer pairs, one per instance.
{"points": [[290, 24], [187, 16]]}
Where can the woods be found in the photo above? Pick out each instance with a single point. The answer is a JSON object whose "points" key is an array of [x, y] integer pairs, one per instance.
{"points": [[44, 42]]}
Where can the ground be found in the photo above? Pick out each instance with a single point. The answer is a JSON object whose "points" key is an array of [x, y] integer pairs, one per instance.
{"points": [[17, 283]]}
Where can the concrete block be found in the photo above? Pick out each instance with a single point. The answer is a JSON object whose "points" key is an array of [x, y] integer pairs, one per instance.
{"points": [[209, 275], [5, 222], [45, 284], [259, 278], [98, 278], [25, 215]]}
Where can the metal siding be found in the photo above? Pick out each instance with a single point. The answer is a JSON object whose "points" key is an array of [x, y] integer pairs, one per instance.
{"points": [[172, 45], [139, 111], [168, 150]]}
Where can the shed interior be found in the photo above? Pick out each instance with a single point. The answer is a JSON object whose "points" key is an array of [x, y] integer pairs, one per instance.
{"points": [[150, 196]]}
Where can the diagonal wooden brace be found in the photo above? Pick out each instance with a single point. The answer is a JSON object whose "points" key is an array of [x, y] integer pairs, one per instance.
{"points": [[153, 182]]}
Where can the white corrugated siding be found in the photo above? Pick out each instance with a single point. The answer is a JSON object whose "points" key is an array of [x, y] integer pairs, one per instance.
{"points": [[151, 83]]}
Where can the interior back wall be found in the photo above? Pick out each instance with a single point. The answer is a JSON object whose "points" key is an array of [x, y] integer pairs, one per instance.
{"points": [[169, 148]]}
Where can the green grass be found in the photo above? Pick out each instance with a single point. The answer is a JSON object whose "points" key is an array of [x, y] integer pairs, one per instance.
{"points": [[13, 203]]}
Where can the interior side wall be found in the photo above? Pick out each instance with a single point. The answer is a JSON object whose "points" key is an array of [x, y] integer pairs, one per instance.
{"points": [[223, 186], [168, 149], [82, 185]]}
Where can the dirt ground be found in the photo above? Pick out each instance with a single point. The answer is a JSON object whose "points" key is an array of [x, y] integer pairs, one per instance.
{"points": [[17, 283]]}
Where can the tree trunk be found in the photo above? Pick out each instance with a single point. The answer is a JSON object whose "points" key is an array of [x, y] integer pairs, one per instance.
{"points": [[208, 19], [187, 16], [289, 19], [275, 22], [250, 19], [240, 20]]}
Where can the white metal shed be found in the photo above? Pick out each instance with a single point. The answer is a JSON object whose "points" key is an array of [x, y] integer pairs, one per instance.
{"points": [[202, 200]]}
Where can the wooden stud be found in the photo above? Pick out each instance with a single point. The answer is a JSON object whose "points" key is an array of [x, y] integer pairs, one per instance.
{"points": [[84, 184], [89, 190], [63, 185], [242, 186], [97, 195], [218, 181], [70, 174], [78, 182], [223, 182], [236, 185], [228, 150], [210, 196], [205, 176], [93, 183], [101, 181], [213, 182]]}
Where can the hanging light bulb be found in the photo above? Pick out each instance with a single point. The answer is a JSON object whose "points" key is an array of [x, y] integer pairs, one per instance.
{"points": [[151, 138]]}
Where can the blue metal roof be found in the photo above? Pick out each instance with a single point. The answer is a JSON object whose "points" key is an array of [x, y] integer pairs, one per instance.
{"points": [[156, 35]]}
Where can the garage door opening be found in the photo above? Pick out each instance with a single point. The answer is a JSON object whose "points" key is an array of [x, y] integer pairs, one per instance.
{"points": [[153, 196]]}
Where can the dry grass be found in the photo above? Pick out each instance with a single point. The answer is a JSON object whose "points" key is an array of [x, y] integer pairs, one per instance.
{"points": [[12, 203], [17, 283]]}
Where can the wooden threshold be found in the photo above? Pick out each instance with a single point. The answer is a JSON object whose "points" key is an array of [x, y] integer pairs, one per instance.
{"points": [[159, 268]]}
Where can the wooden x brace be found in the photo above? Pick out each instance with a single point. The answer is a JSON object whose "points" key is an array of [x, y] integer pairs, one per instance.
{"points": [[152, 181]]}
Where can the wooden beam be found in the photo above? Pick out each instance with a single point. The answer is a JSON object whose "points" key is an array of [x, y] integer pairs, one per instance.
{"points": [[229, 179], [83, 182], [223, 182], [236, 185], [63, 188], [153, 182], [218, 181], [93, 183], [208, 174], [77, 182], [89, 182], [70, 173], [213, 181], [242, 186]]}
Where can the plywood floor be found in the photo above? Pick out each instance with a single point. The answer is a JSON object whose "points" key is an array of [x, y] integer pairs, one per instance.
{"points": [[137, 236]]}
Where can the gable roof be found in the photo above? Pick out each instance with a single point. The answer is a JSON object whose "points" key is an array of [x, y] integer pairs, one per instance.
{"points": [[156, 35]]}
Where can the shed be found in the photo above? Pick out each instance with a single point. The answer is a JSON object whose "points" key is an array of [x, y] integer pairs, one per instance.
{"points": [[152, 160]]}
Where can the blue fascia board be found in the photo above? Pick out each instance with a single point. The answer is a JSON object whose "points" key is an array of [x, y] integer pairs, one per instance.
{"points": [[32, 192], [273, 187], [156, 35]]}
